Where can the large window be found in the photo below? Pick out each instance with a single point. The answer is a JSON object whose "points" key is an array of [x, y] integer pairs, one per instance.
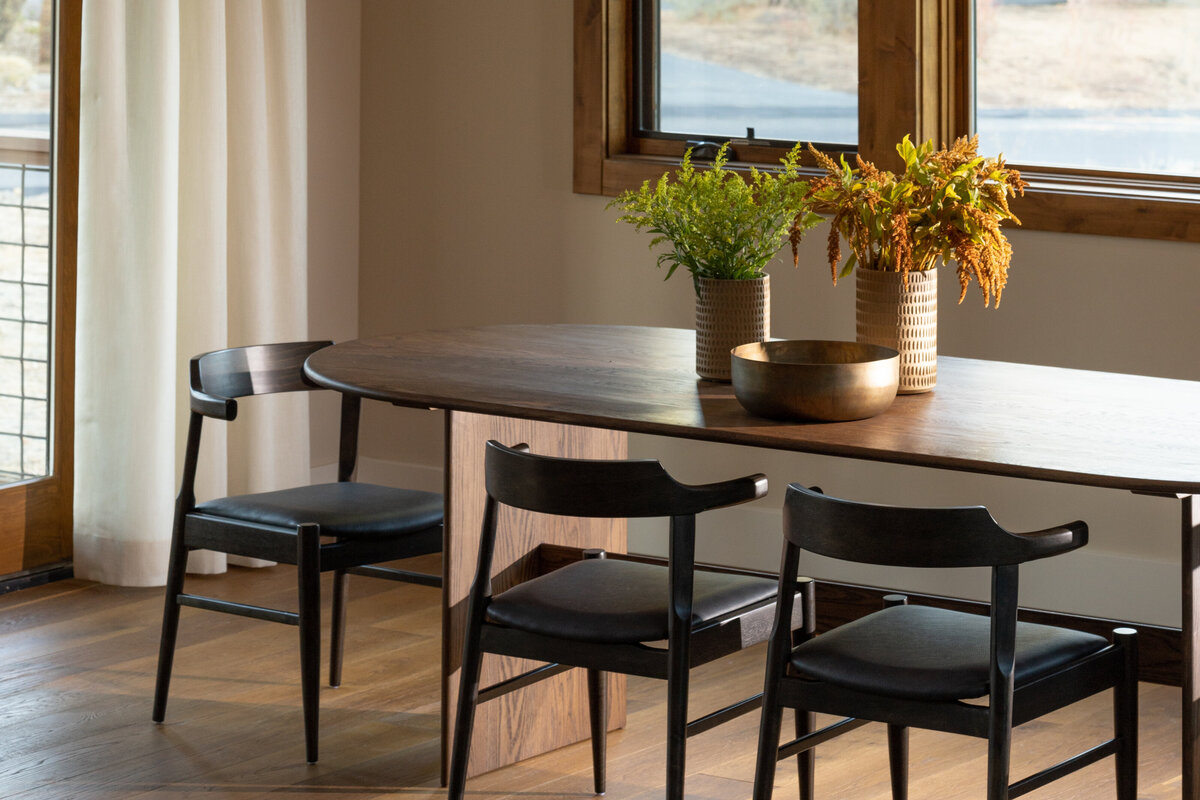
{"points": [[1097, 102]]}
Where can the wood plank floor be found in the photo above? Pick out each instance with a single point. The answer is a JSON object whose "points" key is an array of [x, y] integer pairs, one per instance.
{"points": [[76, 680]]}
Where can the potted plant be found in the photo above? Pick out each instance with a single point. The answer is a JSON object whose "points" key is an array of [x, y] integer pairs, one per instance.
{"points": [[948, 204], [724, 230]]}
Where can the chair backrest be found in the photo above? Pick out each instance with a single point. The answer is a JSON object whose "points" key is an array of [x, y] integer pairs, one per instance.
{"points": [[915, 537], [257, 369], [219, 377], [595, 488]]}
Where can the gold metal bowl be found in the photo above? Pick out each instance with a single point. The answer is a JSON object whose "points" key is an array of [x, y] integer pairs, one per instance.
{"points": [[818, 380]]}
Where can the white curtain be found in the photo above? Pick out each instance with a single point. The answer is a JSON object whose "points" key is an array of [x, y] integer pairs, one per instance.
{"points": [[192, 232]]}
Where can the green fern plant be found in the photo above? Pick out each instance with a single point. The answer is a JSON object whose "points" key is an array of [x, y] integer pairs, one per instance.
{"points": [[718, 224]]}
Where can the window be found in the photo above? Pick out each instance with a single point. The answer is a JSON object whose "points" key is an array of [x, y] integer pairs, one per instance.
{"points": [[918, 73], [39, 102], [26, 70]]}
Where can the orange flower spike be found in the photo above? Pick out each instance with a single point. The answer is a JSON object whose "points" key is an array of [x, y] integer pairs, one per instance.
{"points": [[900, 238], [833, 247], [823, 161], [795, 234]]}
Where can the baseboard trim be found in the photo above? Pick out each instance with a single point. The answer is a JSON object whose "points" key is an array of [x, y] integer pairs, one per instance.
{"points": [[37, 577], [1160, 648]]}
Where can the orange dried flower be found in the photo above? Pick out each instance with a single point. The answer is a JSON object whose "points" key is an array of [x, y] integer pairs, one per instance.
{"points": [[947, 204]]}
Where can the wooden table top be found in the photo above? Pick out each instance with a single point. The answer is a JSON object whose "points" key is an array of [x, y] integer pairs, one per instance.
{"points": [[1045, 423]]}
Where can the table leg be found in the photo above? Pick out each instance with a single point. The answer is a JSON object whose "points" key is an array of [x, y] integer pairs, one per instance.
{"points": [[554, 712], [1190, 535]]}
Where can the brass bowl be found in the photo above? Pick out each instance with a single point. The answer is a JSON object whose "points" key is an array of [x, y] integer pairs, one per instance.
{"points": [[818, 380]]}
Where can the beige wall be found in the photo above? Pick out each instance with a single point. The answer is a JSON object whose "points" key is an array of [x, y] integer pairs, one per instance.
{"points": [[334, 58], [467, 217]]}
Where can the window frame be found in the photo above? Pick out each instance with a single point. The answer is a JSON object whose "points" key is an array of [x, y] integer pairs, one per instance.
{"points": [[914, 77]]}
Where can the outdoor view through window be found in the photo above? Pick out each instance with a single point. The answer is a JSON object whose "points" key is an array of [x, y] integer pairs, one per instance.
{"points": [[25, 276], [1089, 84], [786, 68]]}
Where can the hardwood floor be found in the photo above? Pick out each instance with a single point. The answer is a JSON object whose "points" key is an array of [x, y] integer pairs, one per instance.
{"points": [[77, 674]]}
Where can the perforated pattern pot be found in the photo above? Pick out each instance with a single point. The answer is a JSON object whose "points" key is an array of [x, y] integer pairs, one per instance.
{"points": [[891, 315], [729, 313]]}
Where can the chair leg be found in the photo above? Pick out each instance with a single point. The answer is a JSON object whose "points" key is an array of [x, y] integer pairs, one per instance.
{"points": [[898, 760], [1125, 716], [598, 707], [468, 693], [999, 752], [598, 713], [677, 710], [170, 625], [768, 745], [806, 760], [308, 567], [337, 632]]}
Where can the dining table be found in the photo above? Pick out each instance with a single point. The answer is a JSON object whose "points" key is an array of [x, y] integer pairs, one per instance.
{"points": [[579, 390]]}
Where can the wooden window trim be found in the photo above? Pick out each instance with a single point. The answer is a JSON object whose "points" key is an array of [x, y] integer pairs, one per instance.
{"points": [[915, 77]]}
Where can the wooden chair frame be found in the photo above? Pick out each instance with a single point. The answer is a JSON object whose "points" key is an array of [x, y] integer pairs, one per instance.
{"points": [[945, 537], [217, 379], [608, 489]]}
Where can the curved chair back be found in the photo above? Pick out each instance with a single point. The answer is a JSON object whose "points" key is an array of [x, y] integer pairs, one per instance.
{"points": [[965, 536], [257, 369], [589, 488], [218, 377]]}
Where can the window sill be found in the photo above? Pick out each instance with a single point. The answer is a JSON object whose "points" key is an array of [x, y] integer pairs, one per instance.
{"points": [[1086, 204], [1110, 206]]}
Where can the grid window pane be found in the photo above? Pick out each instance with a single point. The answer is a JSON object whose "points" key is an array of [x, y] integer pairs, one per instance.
{"points": [[786, 68], [37, 264], [10, 457], [10, 376], [10, 185], [33, 459], [37, 303], [37, 188], [10, 338], [37, 226], [1108, 84], [37, 341], [10, 262], [10, 224], [33, 417], [10, 300], [36, 378], [10, 414]]}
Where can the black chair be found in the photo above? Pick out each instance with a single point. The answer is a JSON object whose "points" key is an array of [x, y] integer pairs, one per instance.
{"points": [[602, 613], [362, 524], [909, 665]]}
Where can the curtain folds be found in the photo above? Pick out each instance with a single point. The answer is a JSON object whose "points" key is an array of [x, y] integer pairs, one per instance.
{"points": [[192, 237]]}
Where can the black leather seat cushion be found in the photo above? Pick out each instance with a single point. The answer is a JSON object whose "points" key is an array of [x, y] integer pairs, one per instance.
{"points": [[927, 653], [341, 509], [612, 601]]}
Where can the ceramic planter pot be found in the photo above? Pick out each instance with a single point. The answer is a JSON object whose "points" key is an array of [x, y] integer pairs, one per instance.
{"points": [[729, 313], [904, 318]]}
